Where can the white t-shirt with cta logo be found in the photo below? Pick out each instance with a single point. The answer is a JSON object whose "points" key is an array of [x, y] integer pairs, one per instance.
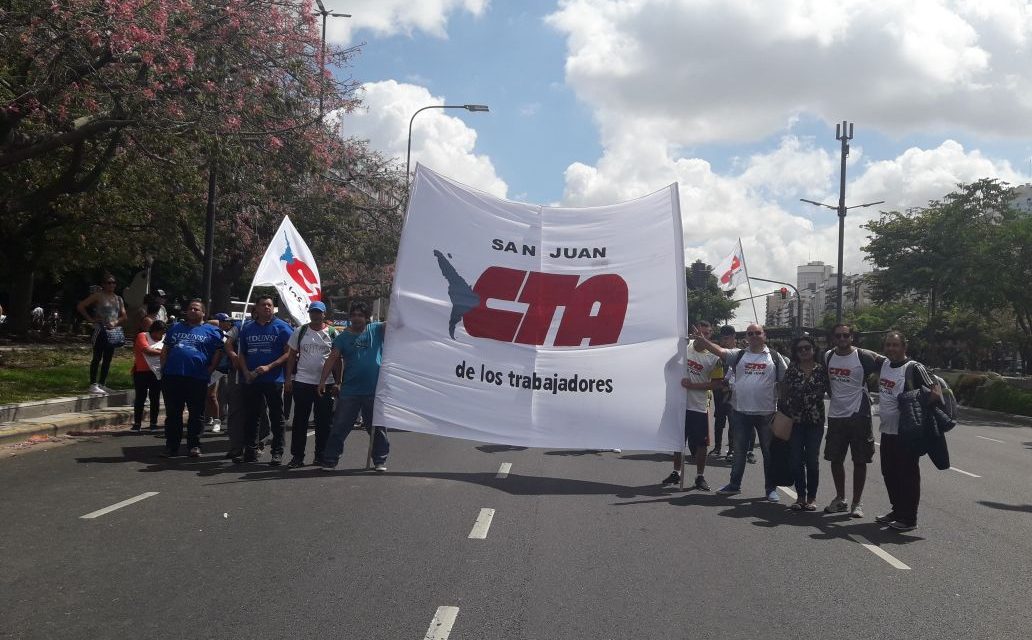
{"points": [[847, 386], [703, 366], [312, 352], [756, 378]]}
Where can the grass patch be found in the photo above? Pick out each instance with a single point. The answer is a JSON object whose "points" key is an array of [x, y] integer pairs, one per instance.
{"points": [[37, 374]]}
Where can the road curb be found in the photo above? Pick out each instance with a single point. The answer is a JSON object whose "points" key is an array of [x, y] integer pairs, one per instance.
{"points": [[997, 416], [64, 423]]}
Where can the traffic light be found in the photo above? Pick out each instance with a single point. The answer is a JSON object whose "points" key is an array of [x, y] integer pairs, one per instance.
{"points": [[784, 292]]}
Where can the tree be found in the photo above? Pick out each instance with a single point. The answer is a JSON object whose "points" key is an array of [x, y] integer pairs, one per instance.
{"points": [[706, 300]]}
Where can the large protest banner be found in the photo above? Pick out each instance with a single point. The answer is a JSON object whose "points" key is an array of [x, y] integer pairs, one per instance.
{"points": [[536, 326]]}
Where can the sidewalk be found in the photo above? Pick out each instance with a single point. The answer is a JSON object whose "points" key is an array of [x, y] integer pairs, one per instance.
{"points": [[58, 416]]}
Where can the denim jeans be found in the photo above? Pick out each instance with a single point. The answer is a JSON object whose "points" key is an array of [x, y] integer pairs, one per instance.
{"points": [[743, 426], [307, 398], [189, 393], [348, 408], [806, 447]]}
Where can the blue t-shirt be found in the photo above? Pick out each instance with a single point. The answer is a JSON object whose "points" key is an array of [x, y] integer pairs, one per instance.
{"points": [[362, 353], [261, 344], [191, 349]]}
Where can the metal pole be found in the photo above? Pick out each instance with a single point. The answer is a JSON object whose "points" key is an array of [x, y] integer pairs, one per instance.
{"points": [[322, 66], [843, 133], [799, 320], [209, 233]]}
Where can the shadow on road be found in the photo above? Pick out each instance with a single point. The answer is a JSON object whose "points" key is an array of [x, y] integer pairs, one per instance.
{"points": [[499, 448], [1023, 508]]}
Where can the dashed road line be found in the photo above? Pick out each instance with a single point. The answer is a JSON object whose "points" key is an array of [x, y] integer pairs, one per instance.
{"points": [[482, 524], [118, 505], [991, 439], [440, 626], [503, 470], [311, 432], [878, 551], [967, 473]]}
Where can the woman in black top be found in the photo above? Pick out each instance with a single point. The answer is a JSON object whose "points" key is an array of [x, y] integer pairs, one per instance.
{"points": [[805, 385]]}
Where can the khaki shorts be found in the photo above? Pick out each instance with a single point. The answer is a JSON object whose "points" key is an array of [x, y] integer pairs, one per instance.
{"points": [[854, 433]]}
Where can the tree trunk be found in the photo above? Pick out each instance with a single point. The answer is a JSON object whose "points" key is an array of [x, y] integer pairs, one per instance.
{"points": [[23, 282]]}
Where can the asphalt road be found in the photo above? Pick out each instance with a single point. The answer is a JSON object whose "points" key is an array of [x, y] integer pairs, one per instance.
{"points": [[582, 544]]}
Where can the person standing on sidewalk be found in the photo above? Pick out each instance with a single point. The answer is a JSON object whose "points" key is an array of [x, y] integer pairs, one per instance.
{"points": [[310, 346], [704, 373], [263, 350], [361, 348], [900, 466], [147, 373], [106, 310], [187, 361], [849, 417], [758, 370]]}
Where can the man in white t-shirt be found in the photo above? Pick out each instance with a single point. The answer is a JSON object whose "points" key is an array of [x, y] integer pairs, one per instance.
{"points": [[849, 417], [309, 347], [757, 370], [704, 373]]}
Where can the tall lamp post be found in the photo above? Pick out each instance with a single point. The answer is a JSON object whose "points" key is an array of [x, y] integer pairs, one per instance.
{"points": [[467, 107], [843, 133], [322, 54]]}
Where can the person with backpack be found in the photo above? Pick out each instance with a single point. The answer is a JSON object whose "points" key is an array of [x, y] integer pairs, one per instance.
{"points": [[758, 370], [849, 417], [899, 464], [310, 346]]}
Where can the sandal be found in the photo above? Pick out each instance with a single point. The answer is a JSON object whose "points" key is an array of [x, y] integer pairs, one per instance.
{"points": [[797, 506], [809, 506]]}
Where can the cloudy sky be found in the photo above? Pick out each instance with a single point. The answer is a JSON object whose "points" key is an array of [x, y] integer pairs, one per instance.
{"points": [[598, 101]]}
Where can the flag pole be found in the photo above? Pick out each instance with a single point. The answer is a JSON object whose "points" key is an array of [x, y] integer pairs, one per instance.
{"points": [[745, 267]]}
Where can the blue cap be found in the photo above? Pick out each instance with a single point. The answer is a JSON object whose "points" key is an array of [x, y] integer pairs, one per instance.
{"points": [[317, 306], [222, 317]]}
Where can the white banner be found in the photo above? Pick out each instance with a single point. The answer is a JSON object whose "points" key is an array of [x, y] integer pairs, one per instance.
{"points": [[536, 326], [730, 272], [289, 266]]}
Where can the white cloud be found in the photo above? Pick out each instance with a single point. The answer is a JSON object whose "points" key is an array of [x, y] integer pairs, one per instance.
{"points": [[392, 17], [443, 142], [709, 70]]}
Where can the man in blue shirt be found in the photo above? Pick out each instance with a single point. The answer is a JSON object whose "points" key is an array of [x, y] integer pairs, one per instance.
{"points": [[263, 348], [187, 360], [361, 348]]}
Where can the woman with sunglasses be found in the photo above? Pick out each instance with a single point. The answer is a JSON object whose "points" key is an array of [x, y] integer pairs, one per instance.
{"points": [[806, 383], [106, 310]]}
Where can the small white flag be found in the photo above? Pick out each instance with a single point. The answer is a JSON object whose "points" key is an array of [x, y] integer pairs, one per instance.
{"points": [[731, 270], [289, 266]]}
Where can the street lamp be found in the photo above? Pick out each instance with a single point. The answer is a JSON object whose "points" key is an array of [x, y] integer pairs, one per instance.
{"points": [[322, 55], [467, 107]]}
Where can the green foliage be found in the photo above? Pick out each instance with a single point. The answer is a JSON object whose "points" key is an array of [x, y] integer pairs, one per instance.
{"points": [[999, 396], [36, 374], [708, 302]]}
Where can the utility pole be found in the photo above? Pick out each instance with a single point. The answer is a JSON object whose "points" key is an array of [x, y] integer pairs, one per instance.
{"points": [[844, 137]]}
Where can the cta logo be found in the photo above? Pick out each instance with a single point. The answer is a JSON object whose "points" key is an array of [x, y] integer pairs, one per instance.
{"points": [[302, 274], [593, 309]]}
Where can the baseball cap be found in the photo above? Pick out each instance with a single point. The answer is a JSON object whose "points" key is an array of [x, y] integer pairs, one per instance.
{"points": [[317, 306], [160, 293], [222, 317], [727, 330]]}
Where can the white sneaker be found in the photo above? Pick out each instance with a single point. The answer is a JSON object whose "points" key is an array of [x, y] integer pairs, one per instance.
{"points": [[107, 390], [617, 450], [380, 468], [837, 505], [216, 426], [96, 390], [857, 510]]}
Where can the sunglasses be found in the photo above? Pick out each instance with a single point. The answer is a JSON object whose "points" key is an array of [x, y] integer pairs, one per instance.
{"points": [[754, 333], [842, 335]]}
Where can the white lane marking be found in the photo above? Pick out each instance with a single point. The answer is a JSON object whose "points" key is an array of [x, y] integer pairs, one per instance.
{"points": [[311, 432], [878, 551], [482, 524], [790, 493], [991, 439], [503, 470], [440, 626], [967, 473], [118, 505]]}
